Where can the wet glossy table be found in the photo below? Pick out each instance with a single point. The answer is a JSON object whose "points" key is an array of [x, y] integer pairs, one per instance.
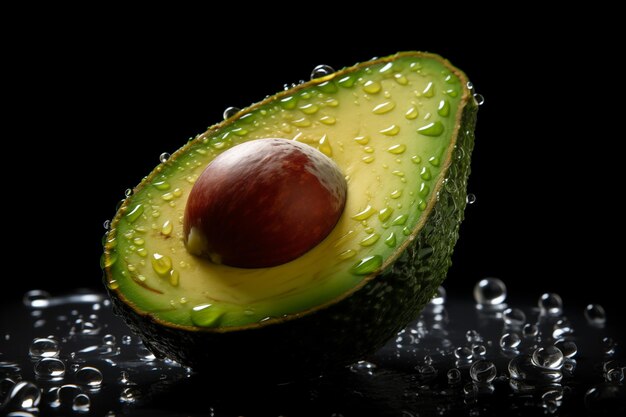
{"points": [[406, 378]]}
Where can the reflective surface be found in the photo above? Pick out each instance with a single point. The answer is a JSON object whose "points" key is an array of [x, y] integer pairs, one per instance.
{"points": [[71, 356]]}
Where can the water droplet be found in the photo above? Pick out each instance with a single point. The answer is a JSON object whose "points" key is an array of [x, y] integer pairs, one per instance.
{"points": [[228, 113], [145, 355], [397, 149], [367, 265], [549, 357], [206, 315], [479, 351], [561, 329], [36, 299], [325, 147], [473, 336], [530, 330], [440, 296], [392, 130], [489, 292], [568, 348], [411, 113], [372, 87], [383, 108], [427, 371], [44, 348], [321, 71], [514, 316], [108, 339], [89, 376], [595, 315], [164, 157], [510, 341], [127, 340], [106, 224], [444, 108], [370, 240], [128, 192], [24, 395], [454, 376], [550, 304], [470, 390], [432, 129], [480, 100], [608, 346], [522, 368], [363, 367], [130, 395], [471, 198], [463, 353], [50, 368], [615, 375], [81, 403], [483, 371]]}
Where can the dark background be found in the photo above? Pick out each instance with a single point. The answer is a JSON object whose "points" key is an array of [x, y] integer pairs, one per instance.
{"points": [[91, 110]]}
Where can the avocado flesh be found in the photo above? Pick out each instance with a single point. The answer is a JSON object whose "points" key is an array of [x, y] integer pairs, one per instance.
{"points": [[392, 126]]}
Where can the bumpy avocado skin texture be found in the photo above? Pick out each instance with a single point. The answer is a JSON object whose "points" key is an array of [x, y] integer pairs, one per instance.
{"points": [[341, 332]]}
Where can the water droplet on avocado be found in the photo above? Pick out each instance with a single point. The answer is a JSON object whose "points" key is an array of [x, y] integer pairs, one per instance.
{"points": [[167, 228], [429, 91], [392, 130], [106, 224], [480, 100], [301, 122], [161, 185], [161, 264], [230, 112], [368, 159], [328, 120], [411, 113], [425, 174], [347, 81], [347, 254], [383, 108], [432, 129], [400, 220], [396, 194], [134, 213], [370, 240], [364, 214], [385, 214], [434, 161], [324, 146], [367, 265], [400, 79], [164, 157], [444, 108], [471, 198], [321, 71], [372, 87], [391, 240], [397, 149], [206, 315], [309, 108]]}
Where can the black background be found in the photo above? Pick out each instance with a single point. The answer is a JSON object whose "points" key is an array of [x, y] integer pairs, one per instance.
{"points": [[91, 109]]}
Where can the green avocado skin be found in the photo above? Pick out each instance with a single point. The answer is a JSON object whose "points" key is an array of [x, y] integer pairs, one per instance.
{"points": [[343, 332]]}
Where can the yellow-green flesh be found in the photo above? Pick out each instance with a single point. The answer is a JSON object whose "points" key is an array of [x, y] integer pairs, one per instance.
{"points": [[387, 126]]}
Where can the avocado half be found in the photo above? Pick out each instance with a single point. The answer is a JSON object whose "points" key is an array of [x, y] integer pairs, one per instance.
{"points": [[401, 129]]}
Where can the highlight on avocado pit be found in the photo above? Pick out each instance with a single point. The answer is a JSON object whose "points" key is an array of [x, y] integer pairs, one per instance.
{"points": [[312, 225]]}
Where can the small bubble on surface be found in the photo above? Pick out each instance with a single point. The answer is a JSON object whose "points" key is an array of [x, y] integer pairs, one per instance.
{"points": [[514, 316], [230, 112], [89, 376], [595, 314], [510, 341], [550, 304], [50, 368], [549, 357], [81, 403], [483, 371], [489, 292], [44, 348]]}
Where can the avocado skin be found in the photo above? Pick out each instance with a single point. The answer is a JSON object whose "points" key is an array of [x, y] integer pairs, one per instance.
{"points": [[345, 331]]}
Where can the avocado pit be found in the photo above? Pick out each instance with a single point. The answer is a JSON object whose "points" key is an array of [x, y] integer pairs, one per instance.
{"points": [[263, 203]]}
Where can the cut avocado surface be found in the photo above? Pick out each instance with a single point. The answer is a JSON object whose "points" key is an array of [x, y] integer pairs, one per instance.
{"points": [[401, 131]]}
